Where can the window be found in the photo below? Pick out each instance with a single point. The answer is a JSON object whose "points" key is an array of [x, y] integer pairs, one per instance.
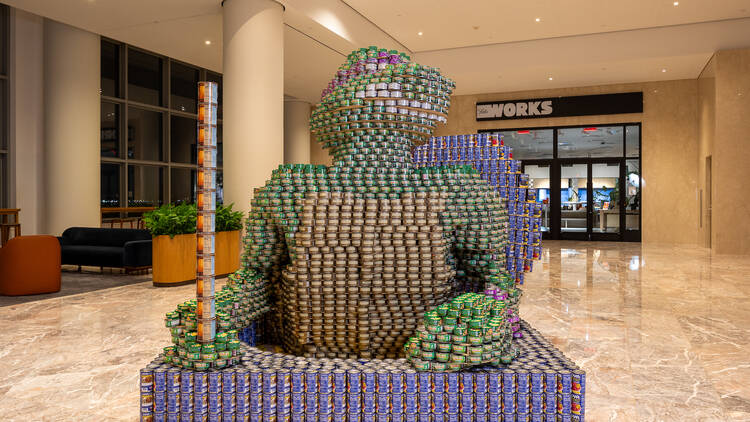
{"points": [[148, 130], [144, 78], [632, 141], [4, 147], [528, 144], [585, 142]]}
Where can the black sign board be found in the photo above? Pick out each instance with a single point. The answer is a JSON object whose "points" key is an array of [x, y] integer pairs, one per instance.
{"points": [[583, 105]]}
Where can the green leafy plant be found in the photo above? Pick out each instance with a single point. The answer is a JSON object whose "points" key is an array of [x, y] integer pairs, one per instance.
{"points": [[171, 220], [228, 220]]}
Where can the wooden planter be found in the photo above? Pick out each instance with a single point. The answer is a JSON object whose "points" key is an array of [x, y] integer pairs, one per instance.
{"points": [[174, 259]]}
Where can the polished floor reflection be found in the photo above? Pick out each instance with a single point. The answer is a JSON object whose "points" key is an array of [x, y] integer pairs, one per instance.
{"points": [[663, 333]]}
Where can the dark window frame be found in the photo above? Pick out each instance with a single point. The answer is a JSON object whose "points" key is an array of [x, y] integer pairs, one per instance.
{"points": [[166, 111]]}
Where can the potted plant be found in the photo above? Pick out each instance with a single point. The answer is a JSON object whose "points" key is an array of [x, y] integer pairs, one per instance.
{"points": [[174, 243], [228, 225]]}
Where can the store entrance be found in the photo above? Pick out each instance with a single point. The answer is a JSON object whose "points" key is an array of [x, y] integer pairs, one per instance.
{"points": [[588, 179], [590, 205]]}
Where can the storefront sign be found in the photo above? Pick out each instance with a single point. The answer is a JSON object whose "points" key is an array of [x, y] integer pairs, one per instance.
{"points": [[583, 105]]}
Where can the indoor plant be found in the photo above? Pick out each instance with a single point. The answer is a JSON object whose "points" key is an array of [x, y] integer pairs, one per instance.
{"points": [[174, 243]]}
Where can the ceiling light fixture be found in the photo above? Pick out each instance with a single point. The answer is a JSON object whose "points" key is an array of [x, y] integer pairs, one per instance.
{"points": [[677, 3], [550, 78], [419, 33], [208, 42], [538, 19], [664, 71]]}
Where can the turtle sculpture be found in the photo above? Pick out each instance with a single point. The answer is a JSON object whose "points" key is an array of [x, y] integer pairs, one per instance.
{"points": [[350, 260], [358, 251]]}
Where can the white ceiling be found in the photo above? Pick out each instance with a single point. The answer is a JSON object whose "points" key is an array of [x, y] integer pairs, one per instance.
{"points": [[577, 42]]}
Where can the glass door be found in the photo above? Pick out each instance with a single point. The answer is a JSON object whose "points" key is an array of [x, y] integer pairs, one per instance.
{"points": [[574, 200], [606, 200], [539, 176]]}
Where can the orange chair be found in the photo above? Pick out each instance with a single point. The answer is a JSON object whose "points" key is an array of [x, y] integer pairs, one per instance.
{"points": [[30, 265]]}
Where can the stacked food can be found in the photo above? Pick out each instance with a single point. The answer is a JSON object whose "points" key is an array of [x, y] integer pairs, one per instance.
{"points": [[206, 220], [470, 330], [540, 385], [493, 160]]}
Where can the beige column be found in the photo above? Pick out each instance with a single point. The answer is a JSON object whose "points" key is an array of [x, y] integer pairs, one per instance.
{"points": [[253, 96], [27, 119], [71, 127], [296, 132]]}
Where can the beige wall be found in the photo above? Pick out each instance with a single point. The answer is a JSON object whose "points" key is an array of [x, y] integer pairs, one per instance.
{"points": [[318, 155], [706, 133], [71, 127], [296, 132], [26, 119], [731, 154], [669, 147]]}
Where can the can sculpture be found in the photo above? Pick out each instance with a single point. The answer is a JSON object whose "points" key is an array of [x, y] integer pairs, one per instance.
{"points": [[350, 268]]}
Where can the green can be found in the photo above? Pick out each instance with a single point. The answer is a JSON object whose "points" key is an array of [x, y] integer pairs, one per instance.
{"points": [[460, 330], [428, 355], [421, 365], [443, 357], [444, 347], [458, 349], [458, 358], [429, 346]]}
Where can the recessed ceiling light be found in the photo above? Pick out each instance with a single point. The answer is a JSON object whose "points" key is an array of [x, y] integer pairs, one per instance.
{"points": [[677, 3], [663, 70], [550, 78], [208, 42], [419, 33], [538, 19]]}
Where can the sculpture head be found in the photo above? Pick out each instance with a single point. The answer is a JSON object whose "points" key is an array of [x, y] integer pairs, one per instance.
{"points": [[380, 99]]}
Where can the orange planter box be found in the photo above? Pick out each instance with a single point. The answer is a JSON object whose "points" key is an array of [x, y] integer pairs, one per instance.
{"points": [[174, 259]]}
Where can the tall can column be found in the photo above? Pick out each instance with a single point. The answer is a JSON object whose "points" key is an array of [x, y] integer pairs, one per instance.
{"points": [[206, 220]]}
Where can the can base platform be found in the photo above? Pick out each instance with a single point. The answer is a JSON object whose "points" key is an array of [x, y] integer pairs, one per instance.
{"points": [[540, 385]]}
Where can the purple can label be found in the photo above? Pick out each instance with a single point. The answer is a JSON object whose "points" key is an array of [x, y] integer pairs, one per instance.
{"points": [[452, 403], [296, 417], [452, 383], [495, 382], [425, 382], [241, 380], [368, 402], [466, 382], [311, 402], [339, 381], [256, 381], [480, 402], [383, 382], [564, 382], [369, 382], [298, 402], [411, 403], [537, 403], [453, 417], [509, 381], [425, 402], [339, 402], [564, 403], [438, 383], [354, 381], [494, 403], [311, 381], [411, 382], [325, 381], [325, 403], [466, 417]]}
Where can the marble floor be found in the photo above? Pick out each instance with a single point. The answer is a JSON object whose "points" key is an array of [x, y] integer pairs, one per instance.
{"points": [[663, 333]]}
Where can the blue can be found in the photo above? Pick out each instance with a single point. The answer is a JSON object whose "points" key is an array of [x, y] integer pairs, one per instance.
{"points": [[214, 402], [397, 403], [325, 381], [325, 403], [269, 382], [186, 402], [523, 379], [509, 381], [369, 382], [309, 417], [186, 381], [564, 382], [439, 381], [494, 403], [354, 381], [298, 380], [453, 417], [173, 417], [466, 402], [425, 417], [383, 402], [214, 382], [241, 380], [383, 382], [368, 417], [242, 403], [311, 381], [228, 383], [173, 379], [256, 381], [509, 417], [227, 403], [186, 417], [466, 417], [537, 402], [480, 382], [550, 381], [296, 417], [256, 402], [452, 384], [339, 402], [425, 402], [411, 381], [283, 402], [523, 403], [298, 402], [160, 379], [339, 417], [537, 417], [411, 403], [509, 403], [354, 403], [425, 382], [438, 402], [173, 401], [311, 402], [369, 404], [411, 417], [466, 382], [495, 382], [452, 403], [339, 381], [284, 381], [397, 382], [438, 417], [564, 403], [578, 382], [480, 403]]}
